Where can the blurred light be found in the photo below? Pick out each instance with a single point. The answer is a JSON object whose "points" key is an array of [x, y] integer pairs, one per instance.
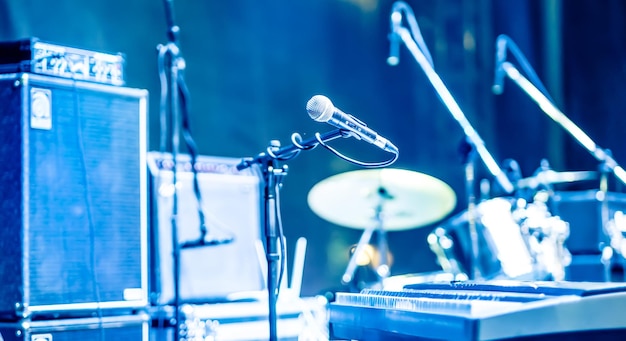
{"points": [[365, 257], [469, 43], [365, 5], [167, 190], [370, 256]]}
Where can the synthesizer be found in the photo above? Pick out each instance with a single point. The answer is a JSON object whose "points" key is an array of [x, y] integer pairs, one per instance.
{"points": [[491, 310]]}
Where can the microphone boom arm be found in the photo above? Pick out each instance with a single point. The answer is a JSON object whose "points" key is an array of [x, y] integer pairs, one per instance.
{"points": [[455, 110], [548, 107]]}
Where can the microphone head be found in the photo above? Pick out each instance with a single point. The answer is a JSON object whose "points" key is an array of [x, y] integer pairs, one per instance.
{"points": [[394, 50], [320, 108], [394, 39], [497, 89], [500, 58]]}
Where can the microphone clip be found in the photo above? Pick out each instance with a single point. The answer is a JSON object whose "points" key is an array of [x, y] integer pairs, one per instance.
{"points": [[202, 242]]}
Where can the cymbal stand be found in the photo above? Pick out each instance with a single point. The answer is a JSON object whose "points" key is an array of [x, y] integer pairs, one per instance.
{"points": [[422, 56], [613, 228], [382, 269], [605, 219], [468, 154], [273, 173], [365, 238]]}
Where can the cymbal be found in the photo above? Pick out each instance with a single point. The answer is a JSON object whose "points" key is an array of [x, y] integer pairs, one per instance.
{"points": [[405, 199], [547, 177]]}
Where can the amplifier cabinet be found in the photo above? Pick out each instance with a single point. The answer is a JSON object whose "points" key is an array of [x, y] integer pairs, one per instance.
{"points": [[231, 204], [296, 319], [107, 328], [73, 198]]}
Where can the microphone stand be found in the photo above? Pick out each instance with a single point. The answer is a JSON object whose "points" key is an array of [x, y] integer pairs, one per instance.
{"points": [[170, 105], [273, 174], [451, 104], [546, 105]]}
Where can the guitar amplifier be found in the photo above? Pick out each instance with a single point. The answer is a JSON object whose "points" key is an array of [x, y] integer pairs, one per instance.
{"points": [[73, 204], [231, 264]]}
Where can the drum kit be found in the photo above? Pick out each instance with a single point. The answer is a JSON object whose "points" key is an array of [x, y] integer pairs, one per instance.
{"points": [[515, 237]]}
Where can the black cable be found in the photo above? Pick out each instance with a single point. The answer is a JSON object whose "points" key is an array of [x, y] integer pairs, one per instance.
{"points": [[281, 241], [192, 148], [89, 204]]}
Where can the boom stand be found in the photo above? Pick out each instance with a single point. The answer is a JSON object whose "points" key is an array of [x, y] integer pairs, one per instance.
{"points": [[273, 174], [474, 141], [546, 105], [405, 36]]}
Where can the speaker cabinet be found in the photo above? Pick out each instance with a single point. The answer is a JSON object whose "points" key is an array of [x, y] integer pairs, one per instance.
{"points": [[107, 328], [73, 198], [231, 204]]}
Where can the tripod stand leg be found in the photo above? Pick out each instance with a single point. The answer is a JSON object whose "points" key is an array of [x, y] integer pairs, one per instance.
{"points": [[349, 273], [383, 269]]}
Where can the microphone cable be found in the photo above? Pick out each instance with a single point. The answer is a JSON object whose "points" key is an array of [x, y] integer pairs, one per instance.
{"points": [[296, 140]]}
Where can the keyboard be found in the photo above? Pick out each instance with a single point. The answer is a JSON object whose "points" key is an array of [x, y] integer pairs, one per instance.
{"points": [[482, 310]]}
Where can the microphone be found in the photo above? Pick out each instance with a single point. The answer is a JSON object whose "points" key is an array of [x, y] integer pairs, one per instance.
{"points": [[394, 50], [394, 39], [201, 242], [321, 109], [498, 80]]}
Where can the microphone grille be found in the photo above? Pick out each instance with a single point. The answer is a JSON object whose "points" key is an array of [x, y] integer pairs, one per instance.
{"points": [[320, 108]]}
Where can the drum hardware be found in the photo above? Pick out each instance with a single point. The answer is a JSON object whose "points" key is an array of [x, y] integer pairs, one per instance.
{"points": [[538, 93], [509, 237], [610, 227], [443, 246], [550, 177], [517, 240], [379, 201], [615, 230], [545, 237]]}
